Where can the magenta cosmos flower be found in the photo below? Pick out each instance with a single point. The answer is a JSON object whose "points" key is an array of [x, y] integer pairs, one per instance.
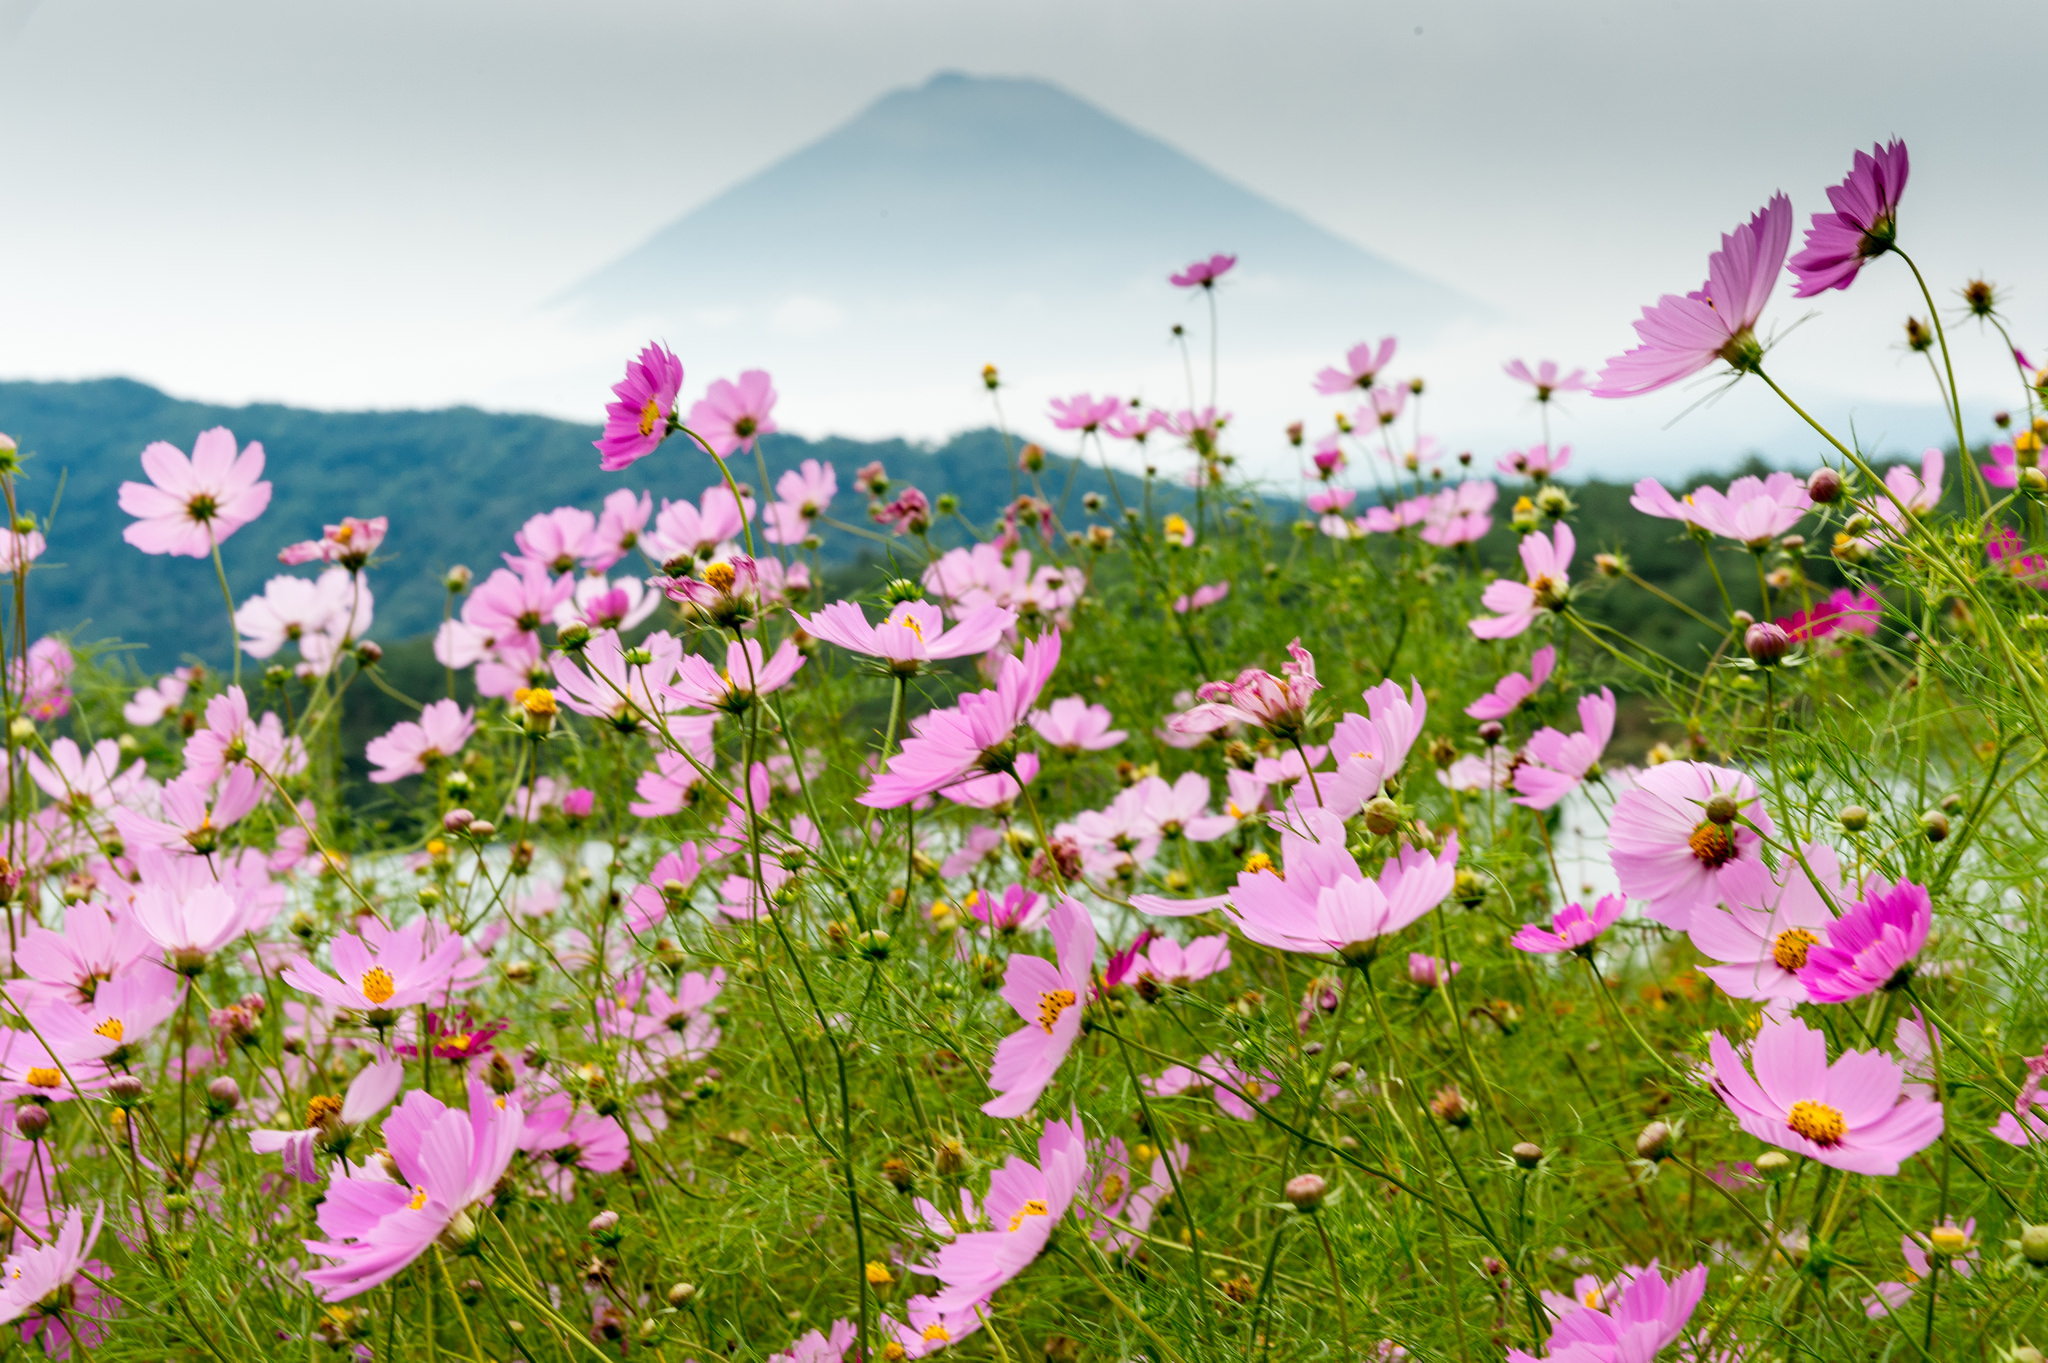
{"points": [[383, 971], [1682, 336], [1632, 1321], [1842, 610], [1083, 412], [912, 634], [1670, 852], [1512, 691], [976, 735], [1555, 763], [1753, 511], [1203, 273], [1050, 999], [1547, 378], [1546, 564], [443, 727], [190, 505], [1363, 363], [1023, 1205], [1571, 927], [746, 676], [732, 416], [644, 404], [1852, 1115], [1863, 226], [1871, 946], [449, 1161], [1768, 926]]}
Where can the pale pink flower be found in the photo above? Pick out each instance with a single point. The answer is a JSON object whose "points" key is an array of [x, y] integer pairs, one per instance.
{"points": [[913, 633], [909, 514], [1166, 962], [1852, 1115], [41, 1286], [1753, 511], [350, 543], [1493, 771], [618, 529], [158, 699], [638, 418], [1363, 363], [1228, 1083], [554, 541], [1201, 598], [1913, 1248], [189, 927], [18, 549], [1767, 926], [1050, 1000], [1665, 849], [733, 416], [805, 493], [194, 813], [1072, 725], [1382, 407], [410, 746], [383, 971], [373, 1089], [1083, 412], [1430, 972], [299, 610], [44, 684], [1023, 1205], [91, 781], [1325, 903], [703, 529], [121, 1015], [1537, 462], [747, 675], [1181, 809], [230, 736], [572, 1138], [510, 607], [1512, 691], [1460, 515], [1547, 378], [1554, 764], [190, 505], [1546, 564], [976, 735], [1136, 426]]}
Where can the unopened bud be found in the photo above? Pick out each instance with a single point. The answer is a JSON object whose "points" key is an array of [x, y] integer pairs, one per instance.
{"points": [[125, 1089], [1527, 1154], [604, 1228], [2033, 1245], [1948, 1240], [1491, 732], [483, 829], [682, 1294], [1721, 808], [1824, 485], [1306, 1191], [457, 579], [2034, 480], [223, 1096], [456, 820], [1934, 824], [1766, 643], [1772, 1165], [1653, 1143], [1382, 816], [572, 637], [31, 1121], [1854, 818]]}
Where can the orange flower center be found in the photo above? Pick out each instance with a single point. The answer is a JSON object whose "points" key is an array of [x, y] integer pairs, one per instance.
{"points": [[1788, 949], [937, 1333], [378, 986], [43, 1077], [720, 576], [1032, 1208], [1051, 1005], [321, 1109], [1817, 1122], [1713, 846]]}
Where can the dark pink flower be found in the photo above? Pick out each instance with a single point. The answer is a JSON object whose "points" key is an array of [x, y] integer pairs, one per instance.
{"points": [[1863, 226], [1257, 699], [2009, 551], [1203, 273], [1363, 363], [190, 505], [1571, 927], [1871, 946], [1844, 609], [909, 514], [1633, 1321], [1547, 379], [1682, 336], [644, 405], [733, 416]]}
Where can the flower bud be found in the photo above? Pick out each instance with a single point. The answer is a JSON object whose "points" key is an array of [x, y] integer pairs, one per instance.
{"points": [[1491, 732], [31, 1121], [1773, 1165], [125, 1090], [1382, 816], [604, 1228], [990, 378], [1306, 1191], [1294, 433], [1766, 643], [1742, 619], [899, 1175], [1934, 825], [369, 653], [483, 830], [2034, 480], [1527, 1154], [456, 820], [572, 637], [1854, 818], [1449, 1106], [223, 1096], [1653, 1142], [1824, 485], [1031, 458], [1948, 1240], [457, 579], [1721, 808], [2033, 1243]]}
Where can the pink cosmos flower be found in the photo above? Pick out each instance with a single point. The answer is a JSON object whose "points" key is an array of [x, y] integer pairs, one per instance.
{"points": [[1538, 461], [1635, 1320], [929, 1330], [1166, 962], [70, 965], [1023, 1205], [1493, 771], [1554, 764], [350, 543], [573, 1138], [153, 702], [1682, 336], [1136, 425], [625, 515], [674, 874], [1181, 809], [1370, 749], [912, 634], [601, 603], [1227, 1081], [2003, 468], [1201, 598], [1913, 1248], [634, 697], [1382, 407], [1430, 972], [1668, 853], [554, 541], [383, 971], [1515, 605], [194, 813], [1050, 999], [19, 550], [805, 493], [1571, 928], [336, 605], [703, 529], [40, 1286], [1362, 364], [1871, 946], [441, 730], [1203, 273], [1851, 1115], [1459, 515], [373, 1089], [1768, 927], [672, 786], [747, 675], [732, 416], [121, 1015], [1547, 378], [977, 734], [1257, 699], [643, 407], [189, 927], [1753, 511], [90, 781], [1863, 226], [2028, 1120], [44, 684], [449, 1161], [1843, 609], [190, 505], [1511, 691], [1016, 909], [1072, 725], [909, 514], [1325, 903], [232, 736], [1083, 412]]}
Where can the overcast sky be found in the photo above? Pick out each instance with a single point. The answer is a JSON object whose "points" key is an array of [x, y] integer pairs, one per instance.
{"points": [[363, 204]]}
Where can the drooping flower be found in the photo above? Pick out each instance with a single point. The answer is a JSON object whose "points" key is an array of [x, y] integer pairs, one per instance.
{"points": [[1871, 946], [1766, 929], [1023, 1205], [350, 543], [1072, 725], [637, 420], [1571, 928], [1669, 846], [913, 633], [1547, 378], [1862, 227], [976, 735], [331, 1120], [383, 971], [190, 505], [732, 416], [1050, 999], [1554, 764], [1363, 363], [1203, 273], [1546, 564], [1851, 1115], [1683, 335], [441, 730], [448, 1160], [1511, 691]]}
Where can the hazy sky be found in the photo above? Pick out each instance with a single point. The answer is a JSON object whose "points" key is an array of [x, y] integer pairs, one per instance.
{"points": [[363, 204]]}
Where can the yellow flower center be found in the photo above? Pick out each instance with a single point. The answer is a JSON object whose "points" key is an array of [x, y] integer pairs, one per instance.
{"points": [[1112, 1188], [419, 1197], [938, 1333], [1788, 949], [378, 986], [1052, 1004], [321, 1109], [460, 1041], [720, 576], [1817, 1122], [1713, 846], [43, 1077], [909, 622], [649, 415], [1176, 528], [535, 700], [894, 1352], [878, 1274], [111, 1029], [344, 535], [1032, 1208], [1259, 861]]}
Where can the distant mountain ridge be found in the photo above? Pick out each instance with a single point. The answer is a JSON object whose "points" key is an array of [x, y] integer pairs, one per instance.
{"points": [[456, 484]]}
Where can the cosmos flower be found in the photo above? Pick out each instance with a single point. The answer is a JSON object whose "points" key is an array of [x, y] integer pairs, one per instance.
{"points": [[410, 746], [1571, 927], [1510, 692], [190, 505], [1914, 1247], [1050, 999], [194, 813], [1363, 363], [1547, 378], [350, 543], [1024, 1204], [1227, 1081], [1546, 564], [1636, 1318], [331, 1119], [1851, 1115], [733, 416], [805, 493], [644, 404], [1767, 926], [1753, 511], [1257, 699], [1843, 610], [1682, 336], [554, 541], [1871, 946], [1072, 725], [1201, 598], [976, 735], [1083, 412], [40, 1286], [1537, 462], [1554, 764], [625, 515], [912, 634], [1670, 851], [1203, 273], [702, 529], [1324, 903], [1862, 227], [383, 971], [747, 674]]}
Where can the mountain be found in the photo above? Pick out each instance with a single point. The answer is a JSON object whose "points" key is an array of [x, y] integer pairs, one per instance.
{"points": [[456, 484]]}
